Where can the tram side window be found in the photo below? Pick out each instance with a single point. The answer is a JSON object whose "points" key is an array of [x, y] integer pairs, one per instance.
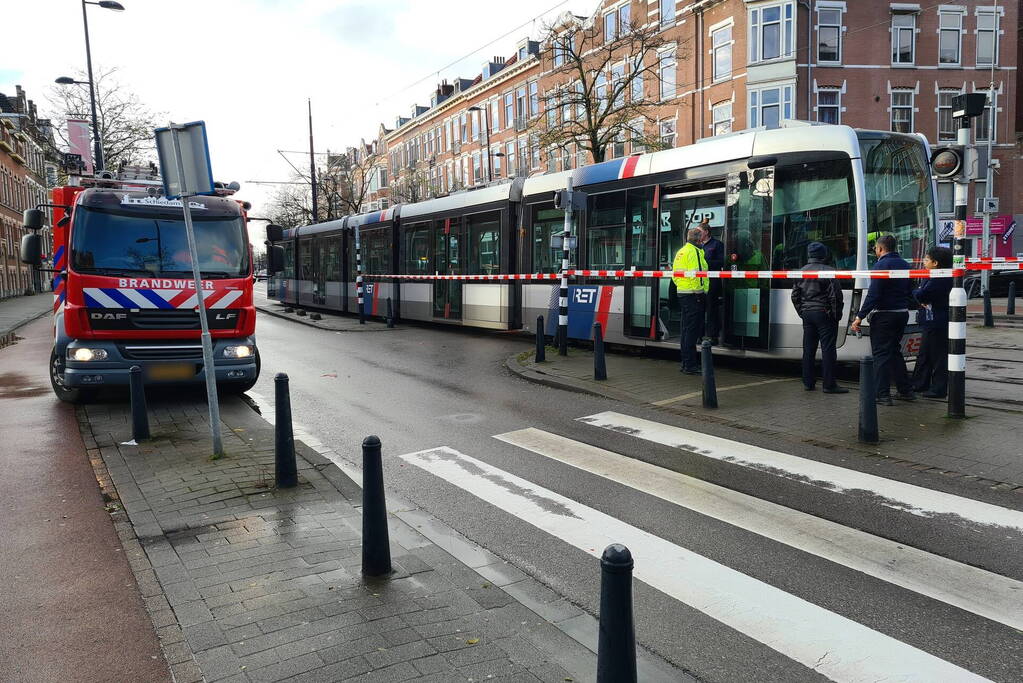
{"points": [[814, 202], [643, 226], [305, 260], [899, 199], [485, 244], [289, 261], [350, 256], [547, 223], [605, 234], [332, 265], [417, 249], [376, 252]]}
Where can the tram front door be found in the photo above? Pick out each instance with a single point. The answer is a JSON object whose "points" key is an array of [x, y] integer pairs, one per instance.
{"points": [[447, 294], [748, 242]]}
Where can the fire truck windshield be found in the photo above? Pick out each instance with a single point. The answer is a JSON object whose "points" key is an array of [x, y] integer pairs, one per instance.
{"points": [[113, 243]]}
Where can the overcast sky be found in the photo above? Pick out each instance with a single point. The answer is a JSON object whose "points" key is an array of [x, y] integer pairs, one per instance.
{"points": [[246, 67]]}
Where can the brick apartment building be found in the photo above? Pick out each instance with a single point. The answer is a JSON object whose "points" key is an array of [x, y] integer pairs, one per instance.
{"points": [[26, 144], [726, 65]]}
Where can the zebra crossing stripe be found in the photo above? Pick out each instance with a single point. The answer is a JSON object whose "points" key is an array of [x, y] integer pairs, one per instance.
{"points": [[828, 643], [986, 594], [895, 494]]}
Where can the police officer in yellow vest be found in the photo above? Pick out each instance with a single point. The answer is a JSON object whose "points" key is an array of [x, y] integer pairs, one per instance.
{"points": [[692, 298]]}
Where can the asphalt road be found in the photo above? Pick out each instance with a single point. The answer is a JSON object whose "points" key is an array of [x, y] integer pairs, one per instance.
{"points": [[71, 610], [422, 388]]}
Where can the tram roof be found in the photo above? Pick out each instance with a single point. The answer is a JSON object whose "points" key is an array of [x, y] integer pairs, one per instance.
{"points": [[485, 195], [793, 136]]}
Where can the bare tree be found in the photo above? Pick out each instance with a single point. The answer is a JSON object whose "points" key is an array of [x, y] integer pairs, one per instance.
{"points": [[608, 89], [126, 124], [291, 204], [412, 186], [349, 178]]}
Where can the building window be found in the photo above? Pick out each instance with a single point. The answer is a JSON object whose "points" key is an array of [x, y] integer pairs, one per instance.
{"points": [[982, 124], [495, 117], [722, 117], [600, 90], [768, 107], [902, 111], [903, 38], [829, 105], [667, 12], [722, 42], [534, 98], [979, 193], [618, 84], [946, 198], [509, 110], [610, 26], [509, 153], [829, 35], [666, 130], [770, 32], [520, 102], [637, 86], [987, 37], [946, 124], [950, 25], [666, 71], [560, 52]]}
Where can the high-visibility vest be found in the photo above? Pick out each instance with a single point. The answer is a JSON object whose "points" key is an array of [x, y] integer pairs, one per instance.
{"points": [[690, 257]]}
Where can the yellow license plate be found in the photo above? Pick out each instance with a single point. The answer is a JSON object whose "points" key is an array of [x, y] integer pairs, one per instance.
{"points": [[171, 371]]}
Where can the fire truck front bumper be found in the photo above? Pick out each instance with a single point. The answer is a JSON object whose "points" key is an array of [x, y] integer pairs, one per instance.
{"points": [[89, 363]]}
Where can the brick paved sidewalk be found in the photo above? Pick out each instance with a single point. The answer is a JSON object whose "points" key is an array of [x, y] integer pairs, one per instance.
{"points": [[247, 583], [985, 447], [328, 321]]}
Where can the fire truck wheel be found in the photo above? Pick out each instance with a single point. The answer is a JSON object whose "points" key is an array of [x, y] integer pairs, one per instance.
{"points": [[241, 387], [64, 393]]}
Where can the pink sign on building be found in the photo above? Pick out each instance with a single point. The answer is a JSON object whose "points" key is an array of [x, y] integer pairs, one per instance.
{"points": [[79, 141], [999, 224]]}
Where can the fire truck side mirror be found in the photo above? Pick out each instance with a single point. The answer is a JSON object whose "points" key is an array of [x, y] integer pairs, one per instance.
{"points": [[274, 233], [274, 259], [32, 248], [33, 219]]}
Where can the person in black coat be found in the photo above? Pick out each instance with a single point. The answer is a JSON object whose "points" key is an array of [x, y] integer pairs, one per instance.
{"points": [[931, 372], [819, 304]]}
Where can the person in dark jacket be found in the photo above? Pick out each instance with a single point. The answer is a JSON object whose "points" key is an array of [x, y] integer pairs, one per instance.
{"points": [[931, 372], [887, 303], [714, 250], [819, 304]]}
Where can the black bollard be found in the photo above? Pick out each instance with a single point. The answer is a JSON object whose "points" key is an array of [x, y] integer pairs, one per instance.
{"points": [[1010, 301], [541, 341], [376, 547], [139, 414], [710, 389], [390, 313], [285, 470], [989, 319], [616, 644], [599, 364], [868, 402]]}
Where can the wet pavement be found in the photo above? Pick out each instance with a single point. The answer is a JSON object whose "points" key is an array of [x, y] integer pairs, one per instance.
{"points": [[71, 608]]}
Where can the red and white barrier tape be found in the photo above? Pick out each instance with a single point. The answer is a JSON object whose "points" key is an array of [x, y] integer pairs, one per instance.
{"points": [[994, 259], [915, 274]]}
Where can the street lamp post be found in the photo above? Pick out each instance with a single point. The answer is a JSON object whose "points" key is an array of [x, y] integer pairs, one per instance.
{"points": [[97, 139]]}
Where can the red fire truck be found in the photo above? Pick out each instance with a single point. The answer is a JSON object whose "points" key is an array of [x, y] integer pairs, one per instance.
{"points": [[123, 289]]}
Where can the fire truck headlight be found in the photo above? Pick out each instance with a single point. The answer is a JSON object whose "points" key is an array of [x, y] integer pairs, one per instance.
{"points": [[84, 355], [240, 351]]}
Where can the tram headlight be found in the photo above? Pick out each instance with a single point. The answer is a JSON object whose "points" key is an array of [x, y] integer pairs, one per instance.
{"points": [[84, 355], [238, 351]]}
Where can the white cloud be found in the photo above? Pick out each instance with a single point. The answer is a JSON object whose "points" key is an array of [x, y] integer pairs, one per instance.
{"points": [[246, 67]]}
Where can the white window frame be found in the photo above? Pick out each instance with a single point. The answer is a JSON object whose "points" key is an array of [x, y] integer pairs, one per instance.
{"points": [[943, 12], [617, 78], [841, 31], [911, 107], [938, 109], [664, 19], [986, 117], [755, 98], [996, 33], [837, 105], [721, 39], [662, 55], [673, 132], [721, 114], [937, 201], [895, 31], [786, 31]]}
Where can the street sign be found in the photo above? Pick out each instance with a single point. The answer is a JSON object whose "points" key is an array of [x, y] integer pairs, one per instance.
{"points": [[195, 175], [990, 205]]}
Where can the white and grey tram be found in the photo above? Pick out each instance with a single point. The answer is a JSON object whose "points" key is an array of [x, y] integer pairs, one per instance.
{"points": [[765, 193]]}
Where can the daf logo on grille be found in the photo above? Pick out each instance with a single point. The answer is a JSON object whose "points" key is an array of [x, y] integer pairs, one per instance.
{"points": [[108, 316]]}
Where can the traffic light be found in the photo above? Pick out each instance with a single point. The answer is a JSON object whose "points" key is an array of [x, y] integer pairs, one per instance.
{"points": [[948, 162]]}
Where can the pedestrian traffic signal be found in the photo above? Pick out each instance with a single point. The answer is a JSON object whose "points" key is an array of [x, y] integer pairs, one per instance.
{"points": [[947, 161]]}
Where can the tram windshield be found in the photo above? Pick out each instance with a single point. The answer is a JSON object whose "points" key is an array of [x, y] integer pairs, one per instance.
{"points": [[899, 197]]}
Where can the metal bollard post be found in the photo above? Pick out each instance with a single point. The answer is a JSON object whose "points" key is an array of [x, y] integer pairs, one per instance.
{"points": [[285, 470], [1010, 301], [390, 313], [376, 547], [989, 319], [710, 389], [139, 414], [616, 644], [541, 342], [868, 402], [599, 364]]}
